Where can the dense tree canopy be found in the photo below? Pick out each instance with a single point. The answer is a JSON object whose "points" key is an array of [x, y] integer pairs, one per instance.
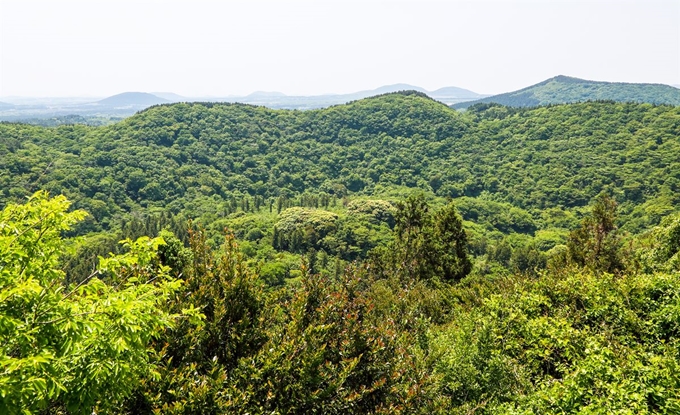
{"points": [[386, 256], [200, 158]]}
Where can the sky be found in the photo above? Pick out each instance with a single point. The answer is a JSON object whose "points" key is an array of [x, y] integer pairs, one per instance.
{"points": [[204, 48]]}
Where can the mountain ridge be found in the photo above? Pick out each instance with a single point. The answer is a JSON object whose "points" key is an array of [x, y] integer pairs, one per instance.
{"points": [[279, 100], [562, 89]]}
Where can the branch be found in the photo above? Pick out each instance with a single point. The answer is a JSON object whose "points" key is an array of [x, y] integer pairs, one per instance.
{"points": [[81, 283], [95, 272], [56, 320], [40, 220]]}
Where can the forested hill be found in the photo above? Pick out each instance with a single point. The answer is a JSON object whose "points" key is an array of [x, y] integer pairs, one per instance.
{"points": [[325, 272], [195, 157], [563, 89]]}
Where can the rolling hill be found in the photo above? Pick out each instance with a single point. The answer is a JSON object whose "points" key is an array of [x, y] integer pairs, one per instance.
{"points": [[563, 89], [195, 157], [352, 261], [356, 193]]}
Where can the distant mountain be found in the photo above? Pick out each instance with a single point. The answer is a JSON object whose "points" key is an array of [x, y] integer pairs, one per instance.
{"points": [[563, 89], [452, 95], [448, 95], [266, 94], [128, 103], [676, 86], [171, 96], [385, 89], [132, 99], [392, 88]]}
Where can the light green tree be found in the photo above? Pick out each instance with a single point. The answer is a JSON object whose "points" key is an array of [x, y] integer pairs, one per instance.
{"points": [[79, 348]]}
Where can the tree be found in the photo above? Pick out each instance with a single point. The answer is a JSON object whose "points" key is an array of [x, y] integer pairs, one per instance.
{"points": [[662, 250], [412, 221], [195, 361], [300, 229], [449, 253], [429, 244], [81, 347], [331, 353], [596, 243]]}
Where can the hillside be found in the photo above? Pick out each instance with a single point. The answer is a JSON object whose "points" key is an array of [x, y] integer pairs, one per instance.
{"points": [[6, 106], [563, 89], [183, 156], [388, 256]]}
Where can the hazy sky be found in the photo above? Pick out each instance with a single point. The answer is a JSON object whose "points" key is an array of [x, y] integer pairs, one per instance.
{"points": [[232, 47]]}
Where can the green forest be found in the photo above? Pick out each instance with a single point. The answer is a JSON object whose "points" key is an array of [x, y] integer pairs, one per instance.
{"points": [[390, 255]]}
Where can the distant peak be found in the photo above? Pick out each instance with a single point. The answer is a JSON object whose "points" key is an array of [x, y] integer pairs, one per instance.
{"points": [[132, 98], [406, 93], [565, 78], [265, 94], [397, 87], [563, 89], [170, 96]]}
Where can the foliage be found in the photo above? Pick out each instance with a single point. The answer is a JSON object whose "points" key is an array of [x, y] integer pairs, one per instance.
{"points": [[565, 344], [194, 360], [330, 353], [528, 301], [377, 210], [321, 347], [208, 161], [300, 229], [428, 245], [595, 243], [81, 347], [661, 249]]}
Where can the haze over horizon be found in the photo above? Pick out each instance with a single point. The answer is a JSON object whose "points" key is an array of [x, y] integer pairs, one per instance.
{"points": [[201, 48]]}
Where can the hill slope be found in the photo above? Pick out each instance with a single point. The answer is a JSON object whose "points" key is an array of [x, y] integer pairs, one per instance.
{"points": [[196, 157], [563, 89], [548, 321]]}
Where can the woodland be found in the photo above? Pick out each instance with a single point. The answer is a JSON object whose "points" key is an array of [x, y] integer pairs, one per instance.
{"points": [[391, 255]]}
